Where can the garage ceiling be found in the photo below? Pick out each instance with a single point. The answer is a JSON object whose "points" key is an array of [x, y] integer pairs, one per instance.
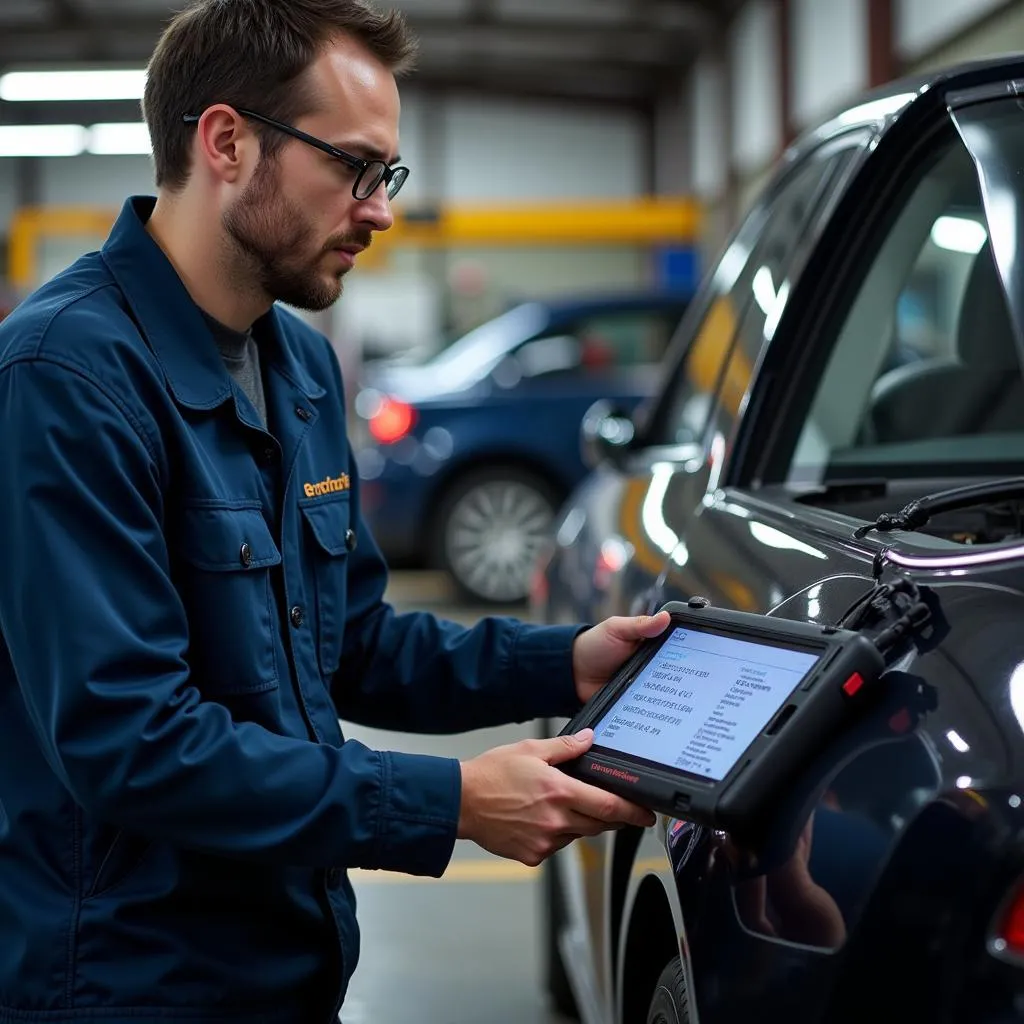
{"points": [[620, 51]]}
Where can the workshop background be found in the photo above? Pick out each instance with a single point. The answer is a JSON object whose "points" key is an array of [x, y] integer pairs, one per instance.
{"points": [[561, 151]]}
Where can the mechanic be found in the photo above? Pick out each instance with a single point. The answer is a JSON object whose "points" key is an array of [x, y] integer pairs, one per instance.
{"points": [[189, 599]]}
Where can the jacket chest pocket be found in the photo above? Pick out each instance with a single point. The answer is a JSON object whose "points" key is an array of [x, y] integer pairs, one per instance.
{"points": [[328, 522], [226, 554]]}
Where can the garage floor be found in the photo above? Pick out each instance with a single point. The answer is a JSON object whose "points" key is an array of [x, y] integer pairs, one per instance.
{"points": [[463, 949]]}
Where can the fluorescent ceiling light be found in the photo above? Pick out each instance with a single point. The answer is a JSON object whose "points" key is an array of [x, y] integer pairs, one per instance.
{"points": [[959, 234], [42, 139], [113, 139], [39, 86], [121, 139]]}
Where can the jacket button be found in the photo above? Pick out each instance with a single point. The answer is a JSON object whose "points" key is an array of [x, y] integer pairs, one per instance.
{"points": [[268, 456], [297, 615], [303, 413], [245, 555], [350, 539]]}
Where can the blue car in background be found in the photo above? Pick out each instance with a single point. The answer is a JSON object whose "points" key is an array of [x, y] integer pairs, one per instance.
{"points": [[466, 458]]}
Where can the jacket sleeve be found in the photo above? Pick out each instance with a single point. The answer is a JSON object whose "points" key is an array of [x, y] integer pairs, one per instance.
{"points": [[97, 637], [417, 673]]}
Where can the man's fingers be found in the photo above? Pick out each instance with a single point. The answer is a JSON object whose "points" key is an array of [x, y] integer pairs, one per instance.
{"points": [[640, 627], [596, 803], [583, 825], [565, 748], [653, 625]]}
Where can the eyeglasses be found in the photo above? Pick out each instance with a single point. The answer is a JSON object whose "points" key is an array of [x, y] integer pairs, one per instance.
{"points": [[371, 172]]}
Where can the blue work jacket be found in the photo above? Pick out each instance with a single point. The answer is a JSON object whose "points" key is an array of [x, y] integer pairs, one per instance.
{"points": [[188, 603]]}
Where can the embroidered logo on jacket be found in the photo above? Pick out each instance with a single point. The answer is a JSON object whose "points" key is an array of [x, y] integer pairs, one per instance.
{"points": [[332, 485]]}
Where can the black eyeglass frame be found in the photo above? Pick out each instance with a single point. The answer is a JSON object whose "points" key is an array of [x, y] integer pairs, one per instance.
{"points": [[393, 178]]}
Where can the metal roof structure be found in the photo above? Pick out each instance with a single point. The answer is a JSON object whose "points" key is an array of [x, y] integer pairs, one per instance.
{"points": [[605, 51]]}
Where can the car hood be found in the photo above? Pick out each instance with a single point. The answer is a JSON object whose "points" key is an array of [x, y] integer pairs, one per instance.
{"points": [[410, 383], [421, 385]]}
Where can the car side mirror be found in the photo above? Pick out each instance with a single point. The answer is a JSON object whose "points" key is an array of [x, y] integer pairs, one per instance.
{"points": [[606, 432]]}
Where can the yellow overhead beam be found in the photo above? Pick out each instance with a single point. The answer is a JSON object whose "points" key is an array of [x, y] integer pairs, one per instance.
{"points": [[638, 222], [632, 222], [31, 225]]}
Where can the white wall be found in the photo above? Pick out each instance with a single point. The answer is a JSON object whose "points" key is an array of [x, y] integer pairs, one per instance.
{"points": [[829, 44], [673, 165], [1001, 33], [410, 144], [708, 126], [924, 24], [517, 150], [756, 94], [94, 180], [7, 192]]}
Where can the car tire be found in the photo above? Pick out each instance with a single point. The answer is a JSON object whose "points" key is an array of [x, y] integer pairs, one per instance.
{"points": [[556, 980], [492, 562], [671, 1001]]}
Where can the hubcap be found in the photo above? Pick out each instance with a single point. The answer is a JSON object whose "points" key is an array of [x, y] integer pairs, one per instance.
{"points": [[494, 536]]}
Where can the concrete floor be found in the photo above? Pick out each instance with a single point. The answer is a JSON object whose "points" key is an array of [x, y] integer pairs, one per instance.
{"points": [[463, 949]]}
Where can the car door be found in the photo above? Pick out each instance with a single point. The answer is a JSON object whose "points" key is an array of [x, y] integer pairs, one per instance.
{"points": [[897, 374], [613, 542], [683, 444], [617, 535]]}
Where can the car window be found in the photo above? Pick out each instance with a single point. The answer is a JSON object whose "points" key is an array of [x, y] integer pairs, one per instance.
{"points": [[627, 338], [749, 282], [475, 354], [764, 283], [612, 340], [924, 376]]}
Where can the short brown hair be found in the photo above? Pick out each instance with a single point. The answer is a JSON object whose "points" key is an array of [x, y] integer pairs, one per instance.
{"points": [[252, 53]]}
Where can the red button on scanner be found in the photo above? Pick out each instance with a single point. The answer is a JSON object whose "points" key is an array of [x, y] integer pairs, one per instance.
{"points": [[853, 684]]}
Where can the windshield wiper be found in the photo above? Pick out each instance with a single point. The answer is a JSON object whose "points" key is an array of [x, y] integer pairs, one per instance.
{"points": [[917, 513]]}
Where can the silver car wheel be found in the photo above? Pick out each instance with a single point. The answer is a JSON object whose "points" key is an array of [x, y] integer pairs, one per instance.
{"points": [[492, 538]]}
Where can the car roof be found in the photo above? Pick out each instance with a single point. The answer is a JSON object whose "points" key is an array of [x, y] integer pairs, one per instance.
{"points": [[879, 107]]}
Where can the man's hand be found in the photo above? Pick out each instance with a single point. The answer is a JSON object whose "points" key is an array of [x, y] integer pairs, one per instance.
{"points": [[517, 805], [598, 653]]}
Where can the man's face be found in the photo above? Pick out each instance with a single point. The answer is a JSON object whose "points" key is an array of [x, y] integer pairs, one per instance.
{"points": [[295, 224]]}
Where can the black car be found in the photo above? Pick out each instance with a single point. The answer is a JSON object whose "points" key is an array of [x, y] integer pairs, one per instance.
{"points": [[854, 357]]}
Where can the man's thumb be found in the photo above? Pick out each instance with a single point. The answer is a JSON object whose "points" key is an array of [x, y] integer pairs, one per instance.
{"points": [[649, 626], [565, 748]]}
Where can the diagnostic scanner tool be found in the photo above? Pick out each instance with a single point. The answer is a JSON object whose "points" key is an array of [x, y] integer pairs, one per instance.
{"points": [[709, 720]]}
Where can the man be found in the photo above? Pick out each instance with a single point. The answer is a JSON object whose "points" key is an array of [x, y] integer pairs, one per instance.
{"points": [[189, 599]]}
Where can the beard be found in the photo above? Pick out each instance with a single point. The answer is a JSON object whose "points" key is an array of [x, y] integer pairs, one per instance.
{"points": [[273, 238]]}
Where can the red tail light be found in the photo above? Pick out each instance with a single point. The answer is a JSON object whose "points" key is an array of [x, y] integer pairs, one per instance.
{"points": [[392, 420], [1009, 934], [610, 560]]}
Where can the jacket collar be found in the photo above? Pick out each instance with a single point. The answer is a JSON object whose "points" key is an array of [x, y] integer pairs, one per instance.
{"points": [[172, 323]]}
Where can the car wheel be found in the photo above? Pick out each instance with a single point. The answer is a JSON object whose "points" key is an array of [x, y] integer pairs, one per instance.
{"points": [[490, 529], [556, 980], [671, 1002]]}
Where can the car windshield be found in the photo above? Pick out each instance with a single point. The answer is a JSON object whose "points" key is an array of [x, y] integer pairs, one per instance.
{"points": [[924, 377], [475, 354]]}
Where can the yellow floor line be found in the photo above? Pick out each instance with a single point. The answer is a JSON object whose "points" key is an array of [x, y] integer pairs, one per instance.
{"points": [[650, 865], [458, 871]]}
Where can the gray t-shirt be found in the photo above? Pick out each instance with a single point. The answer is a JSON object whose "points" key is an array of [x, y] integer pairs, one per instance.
{"points": [[241, 356]]}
